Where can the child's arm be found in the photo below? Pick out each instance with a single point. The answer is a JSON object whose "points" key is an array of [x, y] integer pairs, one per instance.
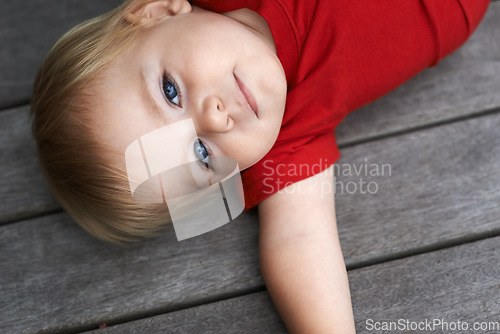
{"points": [[301, 259]]}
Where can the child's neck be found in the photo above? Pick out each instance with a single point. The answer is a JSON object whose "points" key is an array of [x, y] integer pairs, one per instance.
{"points": [[255, 23]]}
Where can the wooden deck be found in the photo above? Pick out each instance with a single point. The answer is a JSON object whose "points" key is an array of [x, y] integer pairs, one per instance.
{"points": [[425, 246]]}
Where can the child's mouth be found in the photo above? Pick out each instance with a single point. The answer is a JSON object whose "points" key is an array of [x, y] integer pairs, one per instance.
{"points": [[246, 96]]}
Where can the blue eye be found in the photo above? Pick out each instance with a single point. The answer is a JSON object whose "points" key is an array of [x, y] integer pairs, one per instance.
{"points": [[202, 153], [170, 90]]}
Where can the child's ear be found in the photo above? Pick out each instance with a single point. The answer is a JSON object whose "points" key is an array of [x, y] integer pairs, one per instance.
{"points": [[148, 12]]}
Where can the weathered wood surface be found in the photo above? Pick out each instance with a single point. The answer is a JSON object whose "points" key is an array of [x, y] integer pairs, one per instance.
{"points": [[450, 285], [455, 284], [55, 278], [28, 29], [465, 83], [23, 190], [444, 189], [253, 313]]}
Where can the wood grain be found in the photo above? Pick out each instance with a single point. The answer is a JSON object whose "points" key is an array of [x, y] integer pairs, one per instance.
{"points": [[455, 284], [23, 190], [28, 29], [54, 277], [459, 284], [444, 188], [253, 313]]}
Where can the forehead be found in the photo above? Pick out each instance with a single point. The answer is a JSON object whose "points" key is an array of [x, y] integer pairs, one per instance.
{"points": [[118, 111]]}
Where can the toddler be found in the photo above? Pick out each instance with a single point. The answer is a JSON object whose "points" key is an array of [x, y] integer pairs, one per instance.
{"points": [[230, 66]]}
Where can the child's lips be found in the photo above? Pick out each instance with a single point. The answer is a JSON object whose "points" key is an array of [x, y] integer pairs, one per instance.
{"points": [[245, 96]]}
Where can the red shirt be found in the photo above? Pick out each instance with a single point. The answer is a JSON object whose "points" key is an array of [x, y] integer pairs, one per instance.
{"points": [[339, 55]]}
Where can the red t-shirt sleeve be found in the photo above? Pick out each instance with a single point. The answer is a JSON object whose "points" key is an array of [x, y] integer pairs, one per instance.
{"points": [[287, 164]]}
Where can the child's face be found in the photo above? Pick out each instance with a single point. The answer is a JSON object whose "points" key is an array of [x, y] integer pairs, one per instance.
{"points": [[192, 66]]}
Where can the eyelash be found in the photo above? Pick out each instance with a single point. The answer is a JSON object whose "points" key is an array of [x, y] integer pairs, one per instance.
{"points": [[169, 79]]}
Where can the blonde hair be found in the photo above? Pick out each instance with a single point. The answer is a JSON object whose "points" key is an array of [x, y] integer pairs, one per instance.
{"points": [[95, 193]]}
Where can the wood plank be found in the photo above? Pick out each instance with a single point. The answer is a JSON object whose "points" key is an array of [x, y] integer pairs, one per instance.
{"points": [[443, 190], [28, 29], [467, 82], [253, 313], [458, 283], [55, 278], [450, 285], [23, 190]]}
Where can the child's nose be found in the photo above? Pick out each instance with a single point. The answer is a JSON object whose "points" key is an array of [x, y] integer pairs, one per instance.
{"points": [[213, 117]]}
